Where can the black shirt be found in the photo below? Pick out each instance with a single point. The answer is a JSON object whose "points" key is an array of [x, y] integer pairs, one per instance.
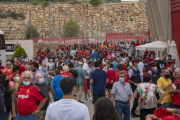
{"points": [[45, 89], [74, 73]]}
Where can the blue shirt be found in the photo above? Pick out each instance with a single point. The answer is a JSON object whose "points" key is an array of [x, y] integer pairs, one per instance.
{"points": [[94, 55], [114, 66], [58, 94], [99, 77]]}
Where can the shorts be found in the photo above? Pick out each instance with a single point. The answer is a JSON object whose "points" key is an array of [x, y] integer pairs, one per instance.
{"points": [[79, 88], [96, 97], [88, 83], [109, 86]]}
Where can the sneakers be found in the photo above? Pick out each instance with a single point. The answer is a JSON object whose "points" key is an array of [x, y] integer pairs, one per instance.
{"points": [[89, 99], [86, 99], [80, 101]]}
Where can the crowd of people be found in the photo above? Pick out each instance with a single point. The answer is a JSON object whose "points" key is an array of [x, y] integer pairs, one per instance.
{"points": [[55, 84]]}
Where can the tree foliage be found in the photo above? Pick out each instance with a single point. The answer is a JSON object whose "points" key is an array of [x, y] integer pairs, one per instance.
{"points": [[34, 32], [95, 2], [19, 52], [71, 28]]}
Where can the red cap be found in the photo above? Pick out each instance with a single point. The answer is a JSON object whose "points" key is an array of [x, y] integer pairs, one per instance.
{"points": [[153, 65], [161, 112], [135, 61]]}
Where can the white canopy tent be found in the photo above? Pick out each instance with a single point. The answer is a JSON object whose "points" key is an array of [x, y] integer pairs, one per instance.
{"points": [[157, 46], [154, 46]]}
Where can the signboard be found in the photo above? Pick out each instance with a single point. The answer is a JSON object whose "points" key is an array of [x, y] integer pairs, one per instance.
{"points": [[9, 47]]}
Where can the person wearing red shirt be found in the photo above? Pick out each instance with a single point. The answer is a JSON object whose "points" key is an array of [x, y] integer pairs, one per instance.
{"points": [[110, 75], [119, 68], [104, 53], [22, 67], [27, 97], [80, 52], [175, 93], [87, 53], [39, 52], [8, 69], [65, 72]]}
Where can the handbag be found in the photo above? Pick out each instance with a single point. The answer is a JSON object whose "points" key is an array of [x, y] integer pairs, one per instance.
{"points": [[137, 111]]}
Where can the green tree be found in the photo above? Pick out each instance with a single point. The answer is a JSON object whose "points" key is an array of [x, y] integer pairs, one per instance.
{"points": [[71, 28], [95, 2], [34, 32], [19, 52]]}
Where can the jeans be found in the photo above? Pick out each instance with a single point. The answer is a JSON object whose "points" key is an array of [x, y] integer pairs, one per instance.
{"points": [[135, 105], [26, 117], [176, 106], [167, 105], [145, 112], [6, 115], [123, 109]]}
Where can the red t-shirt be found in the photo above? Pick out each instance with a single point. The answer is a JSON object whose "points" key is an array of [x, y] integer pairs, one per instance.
{"points": [[176, 97], [117, 76], [39, 52], [137, 44], [22, 69], [2, 67], [66, 74], [104, 54], [80, 53], [27, 99], [87, 54], [7, 71], [110, 75]]}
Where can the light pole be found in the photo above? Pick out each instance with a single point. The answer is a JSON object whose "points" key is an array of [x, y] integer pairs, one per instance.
{"points": [[30, 18], [86, 22], [49, 27]]}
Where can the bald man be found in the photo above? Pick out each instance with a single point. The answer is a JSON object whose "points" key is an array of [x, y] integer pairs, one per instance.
{"points": [[45, 89]]}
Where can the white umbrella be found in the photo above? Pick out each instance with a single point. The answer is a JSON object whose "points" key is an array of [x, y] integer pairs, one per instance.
{"points": [[174, 53]]}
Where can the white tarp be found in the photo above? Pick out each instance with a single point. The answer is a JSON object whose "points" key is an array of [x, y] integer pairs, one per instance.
{"points": [[154, 46]]}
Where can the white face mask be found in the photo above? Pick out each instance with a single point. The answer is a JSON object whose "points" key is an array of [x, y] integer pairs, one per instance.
{"points": [[17, 78]]}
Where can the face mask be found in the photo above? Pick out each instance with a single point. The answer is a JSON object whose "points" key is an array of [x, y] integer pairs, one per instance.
{"points": [[17, 78], [15, 59], [41, 80], [26, 83], [7, 81], [44, 68], [175, 66], [137, 65], [167, 76], [51, 60], [155, 68], [121, 80]]}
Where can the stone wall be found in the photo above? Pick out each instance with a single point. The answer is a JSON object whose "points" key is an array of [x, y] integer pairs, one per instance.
{"points": [[108, 17]]}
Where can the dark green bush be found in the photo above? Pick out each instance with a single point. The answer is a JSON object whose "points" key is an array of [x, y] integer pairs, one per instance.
{"points": [[45, 3], [95, 2], [71, 28], [74, 2], [18, 52], [34, 2], [35, 34]]}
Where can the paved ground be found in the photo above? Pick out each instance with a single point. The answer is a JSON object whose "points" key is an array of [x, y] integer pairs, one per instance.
{"points": [[90, 107]]}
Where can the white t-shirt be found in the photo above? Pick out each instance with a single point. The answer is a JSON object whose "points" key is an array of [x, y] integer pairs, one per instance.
{"points": [[67, 109], [51, 66], [86, 67], [141, 66], [127, 45]]}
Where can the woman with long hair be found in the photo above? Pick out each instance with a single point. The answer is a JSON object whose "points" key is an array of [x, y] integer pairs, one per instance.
{"points": [[104, 110]]}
